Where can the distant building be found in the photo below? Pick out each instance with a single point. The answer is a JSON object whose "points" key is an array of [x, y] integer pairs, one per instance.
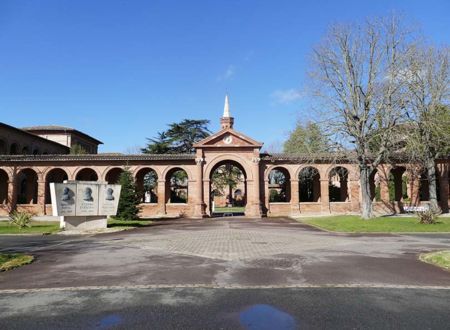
{"points": [[67, 136], [14, 141]]}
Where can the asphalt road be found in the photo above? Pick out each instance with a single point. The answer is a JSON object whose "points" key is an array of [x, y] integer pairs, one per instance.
{"points": [[225, 274], [311, 308]]}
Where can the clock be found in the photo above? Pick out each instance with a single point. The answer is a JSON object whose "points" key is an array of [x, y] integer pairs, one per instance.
{"points": [[228, 139]]}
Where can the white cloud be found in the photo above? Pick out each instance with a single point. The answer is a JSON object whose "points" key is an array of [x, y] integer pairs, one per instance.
{"points": [[286, 96], [228, 74]]}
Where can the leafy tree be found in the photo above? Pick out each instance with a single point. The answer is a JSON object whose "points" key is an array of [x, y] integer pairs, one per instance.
{"points": [[128, 208], [307, 138], [226, 177], [179, 138]]}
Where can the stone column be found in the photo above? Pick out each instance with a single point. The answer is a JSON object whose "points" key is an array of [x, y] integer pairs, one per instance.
{"points": [[266, 196], [384, 188], [255, 200], [207, 197], [199, 206], [41, 195], [295, 199], [12, 196], [161, 197], [443, 187], [414, 190], [324, 196]]}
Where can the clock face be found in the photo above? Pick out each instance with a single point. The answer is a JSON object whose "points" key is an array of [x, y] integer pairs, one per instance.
{"points": [[228, 139]]}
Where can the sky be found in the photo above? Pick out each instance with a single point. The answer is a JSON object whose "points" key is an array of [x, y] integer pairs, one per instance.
{"points": [[120, 71]]}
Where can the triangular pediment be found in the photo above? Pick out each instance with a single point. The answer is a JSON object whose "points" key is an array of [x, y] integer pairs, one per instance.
{"points": [[228, 138]]}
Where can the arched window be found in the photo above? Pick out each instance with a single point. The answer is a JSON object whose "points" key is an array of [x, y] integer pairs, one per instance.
{"points": [[279, 185], [14, 149], [309, 184], [375, 186], [27, 186], [147, 185], [177, 181], [3, 187], [398, 184], [25, 150], [3, 147], [338, 184]]}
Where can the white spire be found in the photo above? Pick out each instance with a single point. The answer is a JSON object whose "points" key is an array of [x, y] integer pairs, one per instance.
{"points": [[226, 108]]}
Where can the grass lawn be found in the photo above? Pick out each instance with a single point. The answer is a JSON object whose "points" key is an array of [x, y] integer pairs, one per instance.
{"points": [[37, 227], [438, 258], [234, 209], [13, 260], [129, 223], [354, 224]]}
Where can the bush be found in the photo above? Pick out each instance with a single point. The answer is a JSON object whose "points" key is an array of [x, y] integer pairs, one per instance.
{"points": [[20, 219], [427, 217]]}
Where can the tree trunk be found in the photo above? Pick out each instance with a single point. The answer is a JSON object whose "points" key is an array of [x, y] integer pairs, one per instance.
{"points": [[432, 184], [366, 198]]}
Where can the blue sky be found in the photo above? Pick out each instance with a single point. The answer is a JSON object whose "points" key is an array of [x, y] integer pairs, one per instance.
{"points": [[121, 70]]}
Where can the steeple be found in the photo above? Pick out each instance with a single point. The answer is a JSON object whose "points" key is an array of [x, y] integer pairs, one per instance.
{"points": [[226, 121], [226, 108]]}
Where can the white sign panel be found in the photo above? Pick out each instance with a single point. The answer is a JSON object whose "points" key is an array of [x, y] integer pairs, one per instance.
{"points": [[84, 198]]}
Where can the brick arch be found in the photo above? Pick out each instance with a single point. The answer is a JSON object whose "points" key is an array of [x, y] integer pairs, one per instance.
{"points": [[81, 168], [60, 174], [154, 168], [350, 170], [171, 167], [108, 170], [18, 147], [228, 157], [4, 183], [283, 191], [283, 166], [27, 193], [139, 175]]}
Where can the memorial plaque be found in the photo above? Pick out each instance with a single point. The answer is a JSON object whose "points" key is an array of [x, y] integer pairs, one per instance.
{"points": [[64, 198], [87, 199], [109, 199]]}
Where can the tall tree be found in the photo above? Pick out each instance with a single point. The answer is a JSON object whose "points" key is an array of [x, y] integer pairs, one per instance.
{"points": [[356, 76], [179, 138], [427, 78], [227, 177], [128, 208], [306, 138]]}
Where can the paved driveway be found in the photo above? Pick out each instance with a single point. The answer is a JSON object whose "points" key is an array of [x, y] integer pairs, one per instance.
{"points": [[223, 253]]}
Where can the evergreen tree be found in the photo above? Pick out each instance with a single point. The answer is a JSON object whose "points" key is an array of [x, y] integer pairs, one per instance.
{"points": [[128, 208], [307, 138], [179, 138]]}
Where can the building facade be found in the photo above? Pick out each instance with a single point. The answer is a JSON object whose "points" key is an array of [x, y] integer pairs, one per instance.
{"points": [[320, 185]]}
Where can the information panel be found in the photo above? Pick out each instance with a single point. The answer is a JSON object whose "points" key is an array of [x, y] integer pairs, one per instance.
{"points": [[84, 198]]}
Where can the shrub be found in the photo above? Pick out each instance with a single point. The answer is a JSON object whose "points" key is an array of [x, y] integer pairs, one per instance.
{"points": [[20, 219], [128, 208], [427, 217]]}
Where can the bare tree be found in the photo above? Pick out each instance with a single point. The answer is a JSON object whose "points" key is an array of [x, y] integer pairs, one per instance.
{"points": [[355, 75], [427, 77]]}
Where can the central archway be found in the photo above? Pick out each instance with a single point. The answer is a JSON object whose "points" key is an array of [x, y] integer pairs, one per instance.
{"points": [[228, 188]]}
